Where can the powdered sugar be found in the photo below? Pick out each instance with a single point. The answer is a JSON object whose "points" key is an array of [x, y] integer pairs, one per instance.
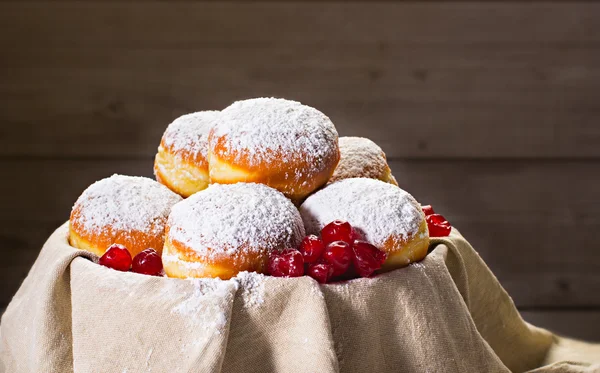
{"points": [[205, 307], [377, 209], [189, 133], [228, 220], [251, 288], [269, 129], [360, 157], [124, 204]]}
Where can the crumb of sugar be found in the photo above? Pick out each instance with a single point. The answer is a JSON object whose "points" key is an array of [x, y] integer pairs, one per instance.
{"points": [[375, 208], [275, 130], [189, 133], [252, 288], [359, 157], [230, 220], [125, 204], [205, 306]]}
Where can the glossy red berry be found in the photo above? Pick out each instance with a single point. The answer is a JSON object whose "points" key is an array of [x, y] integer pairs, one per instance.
{"points": [[367, 258], [356, 235], [312, 248], [438, 225], [321, 272], [116, 257], [428, 210], [437, 219], [275, 266], [148, 262], [339, 255], [288, 263], [337, 230]]}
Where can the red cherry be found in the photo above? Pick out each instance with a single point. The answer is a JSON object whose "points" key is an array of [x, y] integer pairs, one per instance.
{"points": [[356, 235], [339, 255], [428, 210], [288, 263], [312, 248], [295, 263], [438, 225], [148, 262], [321, 272], [437, 219], [367, 258], [275, 265], [337, 230], [116, 257]]}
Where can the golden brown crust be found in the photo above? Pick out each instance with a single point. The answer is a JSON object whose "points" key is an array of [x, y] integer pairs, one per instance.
{"points": [[185, 154], [185, 175], [134, 241], [181, 261], [361, 157], [127, 210], [296, 178], [402, 252], [228, 229]]}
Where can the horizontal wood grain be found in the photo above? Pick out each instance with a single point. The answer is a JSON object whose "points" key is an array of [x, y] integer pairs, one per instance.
{"points": [[123, 112], [20, 244], [418, 81], [534, 223], [193, 24], [584, 325]]}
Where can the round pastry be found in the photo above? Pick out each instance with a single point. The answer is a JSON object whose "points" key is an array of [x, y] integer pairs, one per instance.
{"points": [[226, 229], [361, 157], [385, 215], [127, 210], [182, 159], [283, 144]]}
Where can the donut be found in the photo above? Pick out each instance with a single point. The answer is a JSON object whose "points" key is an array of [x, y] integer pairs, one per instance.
{"points": [[361, 157], [182, 159], [127, 210], [286, 145], [382, 213], [229, 228]]}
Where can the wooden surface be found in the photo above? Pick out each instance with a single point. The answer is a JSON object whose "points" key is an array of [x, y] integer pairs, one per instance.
{"points": [[487, 110]]}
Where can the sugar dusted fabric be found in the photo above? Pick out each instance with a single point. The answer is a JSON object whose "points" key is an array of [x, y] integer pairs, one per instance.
{"points": [[447, 313]]}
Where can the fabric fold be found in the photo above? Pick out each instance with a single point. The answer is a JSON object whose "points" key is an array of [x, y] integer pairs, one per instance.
{"points": [[446, 313]]}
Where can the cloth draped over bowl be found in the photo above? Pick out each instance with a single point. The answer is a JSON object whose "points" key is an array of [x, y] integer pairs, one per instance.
{"points": [[447, 313]]}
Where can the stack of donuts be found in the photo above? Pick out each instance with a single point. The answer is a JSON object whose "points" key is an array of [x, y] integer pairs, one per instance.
{"points": [[237, 186]]}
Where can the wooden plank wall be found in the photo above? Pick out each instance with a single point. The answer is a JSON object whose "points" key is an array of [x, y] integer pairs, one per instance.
{"points": [[487, 110]]}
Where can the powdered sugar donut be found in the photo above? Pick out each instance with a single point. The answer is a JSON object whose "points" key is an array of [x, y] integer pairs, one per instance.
{"points": [[284, 144], [226, 229], [182, 159], [386, 216], [361, 157], [127, 210]]}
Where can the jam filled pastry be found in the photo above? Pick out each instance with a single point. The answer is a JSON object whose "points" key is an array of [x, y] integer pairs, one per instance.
{"points": [[361, 157], [286, 145], [127, 210], [226, 229], [381, 213], [181, 162]]}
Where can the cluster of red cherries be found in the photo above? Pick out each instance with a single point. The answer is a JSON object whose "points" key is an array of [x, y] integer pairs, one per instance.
{"points": [[338, 254], [437, 225], [148, 262]]}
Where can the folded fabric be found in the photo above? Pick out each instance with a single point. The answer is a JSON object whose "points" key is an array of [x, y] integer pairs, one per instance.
{"points": [[447, 313]]}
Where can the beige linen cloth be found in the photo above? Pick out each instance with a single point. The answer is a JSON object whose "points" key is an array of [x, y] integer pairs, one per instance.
{"points": [[447, 313]]}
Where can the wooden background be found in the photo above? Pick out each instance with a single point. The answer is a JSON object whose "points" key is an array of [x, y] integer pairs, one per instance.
{"points": [[489, 111]]}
